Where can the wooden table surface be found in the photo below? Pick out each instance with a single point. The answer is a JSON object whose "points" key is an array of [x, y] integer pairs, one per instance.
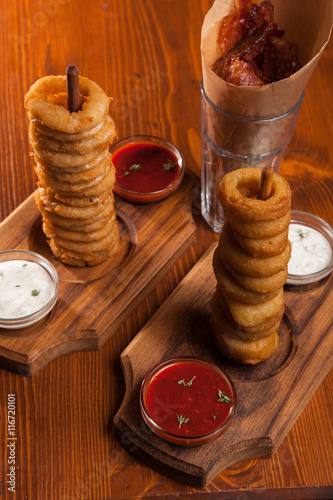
{"points": [[146, 54]]}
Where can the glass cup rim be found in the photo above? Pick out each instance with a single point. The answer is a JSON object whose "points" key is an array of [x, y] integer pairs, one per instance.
{"points": [[251, 120]]}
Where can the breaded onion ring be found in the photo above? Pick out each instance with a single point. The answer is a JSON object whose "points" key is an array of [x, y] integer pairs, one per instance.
{"points": [[105, 136], [262, 228], [223, 324], [86, 247], [68, 160], [254, 315], [52, 230], [232, 253], [233, 289], [70, 199], [241, 351], [75, 201], [83, 225], [71, 187], [78, 169], [106, 184], [262, 284], [259, 327], [78, 259], [263, 247], [62, 136], [238, 190], [77, 212], [43, 170], [38, 102], [77, 216]]}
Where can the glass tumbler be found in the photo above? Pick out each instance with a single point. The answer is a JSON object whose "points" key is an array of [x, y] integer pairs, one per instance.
{"points": [[230, 142]]}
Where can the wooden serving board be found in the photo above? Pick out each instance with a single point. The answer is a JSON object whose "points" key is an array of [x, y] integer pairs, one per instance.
{"points": [[270, 395], [95, 301]]}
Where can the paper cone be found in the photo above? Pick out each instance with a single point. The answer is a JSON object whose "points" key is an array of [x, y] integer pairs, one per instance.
{"points": [[307, 23]]}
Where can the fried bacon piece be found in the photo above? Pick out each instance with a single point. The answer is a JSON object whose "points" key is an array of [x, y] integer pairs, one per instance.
{"points": [[280, 60], [259, 15], [241, 73], [260, 56]]}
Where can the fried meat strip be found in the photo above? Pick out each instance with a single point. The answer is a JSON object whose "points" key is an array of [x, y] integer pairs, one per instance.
{"points": [[260, 56], [281, 60]]}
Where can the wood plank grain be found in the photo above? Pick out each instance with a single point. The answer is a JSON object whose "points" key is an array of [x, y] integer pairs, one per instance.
{"points": [[147, 56], [94, 301], [270, 396]]}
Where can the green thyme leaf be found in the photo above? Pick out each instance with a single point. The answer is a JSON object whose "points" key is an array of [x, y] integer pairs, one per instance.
{"points": [[302, 234], [186, 383], [182, 420], [223, 398], [35, 292], [169, 165]]}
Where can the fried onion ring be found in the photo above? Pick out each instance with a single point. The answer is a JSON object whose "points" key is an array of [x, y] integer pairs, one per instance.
{"points": [[253, 317], [77, 212], [262, 228], [223, 324], [86, 247], [78, 170], [106, 184], [262, 284], [105, 136], [242, 351], [79, 260], [75, 170], [233, 289], [238, 190], [71, 187], [263, 247], [42, 170], [232, 253], [62, 136], [84, 226], [66, 159], [51, 231], [38, 102]]}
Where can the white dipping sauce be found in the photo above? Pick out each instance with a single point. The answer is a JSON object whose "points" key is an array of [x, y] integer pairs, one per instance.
{"points": [[311, 252], [25, 287]]}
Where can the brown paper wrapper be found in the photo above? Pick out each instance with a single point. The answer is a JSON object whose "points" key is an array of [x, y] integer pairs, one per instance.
{"points": [[307, 23]]}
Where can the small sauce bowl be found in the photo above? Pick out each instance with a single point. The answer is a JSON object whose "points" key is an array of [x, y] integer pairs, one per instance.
{"points": [[312, 248], [148, 169], [187, 401], [29, 288]]}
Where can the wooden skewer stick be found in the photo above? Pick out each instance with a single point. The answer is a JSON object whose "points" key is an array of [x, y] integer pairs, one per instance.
{"points": [[73, 89], [266, 183]]}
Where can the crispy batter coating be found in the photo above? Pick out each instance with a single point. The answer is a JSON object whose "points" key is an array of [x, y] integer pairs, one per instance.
{"points": [[250, 269], [75, 171]]}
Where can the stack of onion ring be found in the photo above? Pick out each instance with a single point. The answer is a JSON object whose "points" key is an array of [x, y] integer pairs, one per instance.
{"points": [[251, 266], [74, 169]]}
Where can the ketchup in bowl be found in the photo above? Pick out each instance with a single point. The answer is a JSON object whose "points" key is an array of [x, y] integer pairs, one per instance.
{"points": [[187, 401], [148, 168]]}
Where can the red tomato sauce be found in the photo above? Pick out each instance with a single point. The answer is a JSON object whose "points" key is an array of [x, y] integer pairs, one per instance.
{"points": [[145, 167], [187, 398]]}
